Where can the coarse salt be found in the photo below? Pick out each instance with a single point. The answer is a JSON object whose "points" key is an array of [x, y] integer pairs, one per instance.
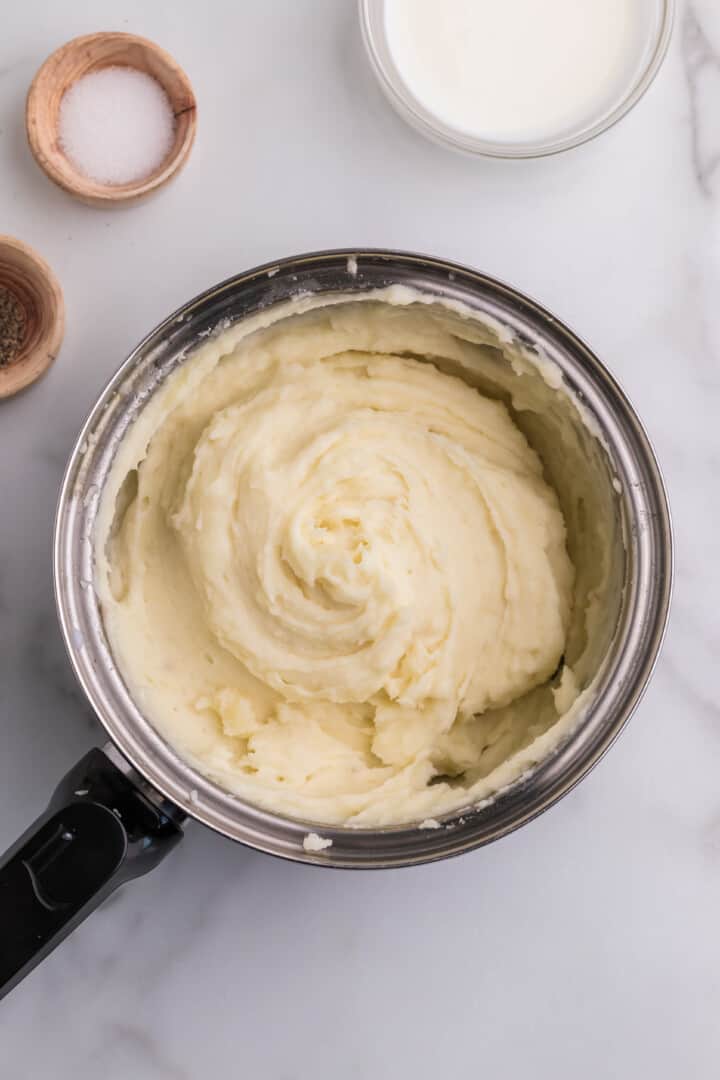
{"points": [[116, 125]]}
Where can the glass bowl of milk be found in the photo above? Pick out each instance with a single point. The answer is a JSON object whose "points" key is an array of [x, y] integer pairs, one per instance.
{"points": [[515, 78]]}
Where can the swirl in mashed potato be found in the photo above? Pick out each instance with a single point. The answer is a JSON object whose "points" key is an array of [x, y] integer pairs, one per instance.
{"points": [[334, 575]]}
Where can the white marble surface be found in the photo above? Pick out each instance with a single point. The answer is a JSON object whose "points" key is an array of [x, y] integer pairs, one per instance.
{"points": [[585, 945]]}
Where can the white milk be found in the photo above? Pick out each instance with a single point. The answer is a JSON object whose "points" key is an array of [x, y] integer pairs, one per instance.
{"points": [[518, 70]]}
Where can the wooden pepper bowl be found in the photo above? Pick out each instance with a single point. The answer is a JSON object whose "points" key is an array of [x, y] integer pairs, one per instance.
{"points": [[70, 63], [35, 287]]}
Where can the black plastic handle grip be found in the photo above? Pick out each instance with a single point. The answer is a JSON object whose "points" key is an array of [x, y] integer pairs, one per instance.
{"points": [[98, 832]]}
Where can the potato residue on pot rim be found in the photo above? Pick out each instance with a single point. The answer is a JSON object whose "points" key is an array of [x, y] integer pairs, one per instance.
{"points": [[354, 560]]}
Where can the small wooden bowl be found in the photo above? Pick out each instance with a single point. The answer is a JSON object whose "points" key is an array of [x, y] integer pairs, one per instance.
{"points": [[33, 284], [68, 64]]}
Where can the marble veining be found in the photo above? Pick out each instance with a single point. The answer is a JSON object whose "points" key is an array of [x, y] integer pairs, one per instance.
{"points": [[585, 944], [702, 69], [139, 1050]]}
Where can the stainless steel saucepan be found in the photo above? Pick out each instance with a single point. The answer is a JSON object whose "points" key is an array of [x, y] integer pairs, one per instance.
{"points": [[121, 809]]}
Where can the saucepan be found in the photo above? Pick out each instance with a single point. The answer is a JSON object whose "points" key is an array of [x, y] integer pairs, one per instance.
{"points": [[121, 809]]}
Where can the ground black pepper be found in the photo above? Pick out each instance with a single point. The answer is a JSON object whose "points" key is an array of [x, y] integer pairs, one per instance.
{"points": [[12, 325]]}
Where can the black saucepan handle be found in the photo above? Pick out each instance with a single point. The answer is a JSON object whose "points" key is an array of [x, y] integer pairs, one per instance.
{"points": [[98, 832]]}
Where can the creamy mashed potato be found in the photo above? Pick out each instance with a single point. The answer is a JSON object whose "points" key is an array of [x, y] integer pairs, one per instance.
{"points": [[335, 569]]}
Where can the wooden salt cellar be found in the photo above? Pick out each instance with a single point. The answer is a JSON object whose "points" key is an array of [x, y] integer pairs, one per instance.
{"points": [[78, 58]]}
